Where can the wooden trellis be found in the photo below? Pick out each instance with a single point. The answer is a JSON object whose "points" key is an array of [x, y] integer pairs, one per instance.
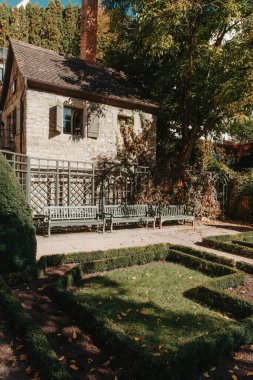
{"points": [[48, 182]]}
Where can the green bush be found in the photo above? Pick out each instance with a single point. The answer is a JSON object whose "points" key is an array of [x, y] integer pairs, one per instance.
{"points": [[38, 348], [224, 243], [17, 232], [83, 257], [204, 266]]}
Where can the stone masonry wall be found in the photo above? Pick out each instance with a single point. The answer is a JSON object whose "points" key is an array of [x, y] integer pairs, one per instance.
{"points": [[43, 140]]}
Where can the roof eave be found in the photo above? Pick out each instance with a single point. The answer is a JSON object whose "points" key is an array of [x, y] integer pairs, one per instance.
{"points": [[92, 96]]}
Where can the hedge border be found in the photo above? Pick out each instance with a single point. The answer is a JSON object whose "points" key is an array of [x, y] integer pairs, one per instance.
{"points": [[225, 243], [240, 265], [37, 345], [200, 352], [83, 257]]}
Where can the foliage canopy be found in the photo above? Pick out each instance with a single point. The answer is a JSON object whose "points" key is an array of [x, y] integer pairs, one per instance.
{"points": [[17, 232], [195, 56]]}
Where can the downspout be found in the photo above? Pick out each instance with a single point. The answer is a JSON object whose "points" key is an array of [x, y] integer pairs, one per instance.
{"points": [[22, 111]]}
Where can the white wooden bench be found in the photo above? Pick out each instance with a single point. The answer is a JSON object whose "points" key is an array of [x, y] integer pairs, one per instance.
{"points": [[67, 216], [125, 214], [175, 212]]}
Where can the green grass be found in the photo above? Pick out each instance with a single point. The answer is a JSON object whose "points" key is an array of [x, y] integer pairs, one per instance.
{"points": [[147, 305]]}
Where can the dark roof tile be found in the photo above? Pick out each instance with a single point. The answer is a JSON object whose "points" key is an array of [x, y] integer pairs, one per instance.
{"points": [[47, 66]]}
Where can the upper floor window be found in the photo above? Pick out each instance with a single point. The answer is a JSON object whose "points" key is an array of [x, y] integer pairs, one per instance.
{"points": [[72, 121], [14, 86]]}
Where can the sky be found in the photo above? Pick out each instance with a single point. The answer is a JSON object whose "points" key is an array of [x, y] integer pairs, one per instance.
{"points": [[41, 2]]}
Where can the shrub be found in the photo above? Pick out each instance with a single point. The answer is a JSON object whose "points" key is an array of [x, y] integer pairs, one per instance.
{"points": [[17, 232], [37, 345], [224, 243]]}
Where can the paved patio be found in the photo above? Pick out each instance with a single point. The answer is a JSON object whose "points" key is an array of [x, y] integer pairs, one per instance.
{"points": [[130, 237]]}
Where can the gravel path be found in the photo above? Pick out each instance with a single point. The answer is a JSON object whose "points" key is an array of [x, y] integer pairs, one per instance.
{"points": [[137, 236]]}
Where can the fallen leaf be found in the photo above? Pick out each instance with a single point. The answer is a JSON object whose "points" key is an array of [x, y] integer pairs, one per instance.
{"points": [[206, 374], [28, 370], [133, 278], [116, 378], [61, 358], [74, 336], [231, 371], [73, 361], [251, 347], [19, 347], [249, 374], [105, 364], [136, 339], [92, 370], [234, 377], [23, 357], [213, 369], [123, 314], [90, 361], [128, 311], [74, 367]]}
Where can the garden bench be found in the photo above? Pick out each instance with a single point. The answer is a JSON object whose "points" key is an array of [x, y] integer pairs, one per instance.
{"points": [[129, 214], [67, 216], [175, 212]]}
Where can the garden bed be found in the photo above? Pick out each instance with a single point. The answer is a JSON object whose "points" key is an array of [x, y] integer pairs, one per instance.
{"points": [[149, 309], [153, 315]]}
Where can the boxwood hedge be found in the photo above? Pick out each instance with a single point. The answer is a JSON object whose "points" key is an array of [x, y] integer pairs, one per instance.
{"points": [[17, 232], [198, 353]]}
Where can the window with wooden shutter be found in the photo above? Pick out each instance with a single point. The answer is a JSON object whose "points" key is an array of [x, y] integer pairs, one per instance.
{"points": [[59, 116], [93, 125]]}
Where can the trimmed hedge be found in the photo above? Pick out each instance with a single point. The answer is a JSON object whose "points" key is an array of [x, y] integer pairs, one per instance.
{"points": [[204, 266], [83, 257], [203, 255], [198, 353], [37, 345], [243, 243], [17, 231], [225, 243]]}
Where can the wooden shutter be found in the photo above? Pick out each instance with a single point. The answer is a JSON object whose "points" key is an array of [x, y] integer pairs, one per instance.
{"points": [[59, 116], [93, 125]]}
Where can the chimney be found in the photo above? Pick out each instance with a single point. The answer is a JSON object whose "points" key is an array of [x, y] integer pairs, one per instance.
{"points": [[89, 24]]}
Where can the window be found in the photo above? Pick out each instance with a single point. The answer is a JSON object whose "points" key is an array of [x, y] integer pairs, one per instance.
{"points": [[72, 121], [14, 86]]}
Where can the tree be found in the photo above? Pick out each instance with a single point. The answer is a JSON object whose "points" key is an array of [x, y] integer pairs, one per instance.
{"points": [[17, 232], [50, 27], [5, 20], [33, 14], [194, 56]]}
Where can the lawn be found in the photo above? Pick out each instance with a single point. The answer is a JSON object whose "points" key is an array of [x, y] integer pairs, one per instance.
{"points": [[147, 304]]}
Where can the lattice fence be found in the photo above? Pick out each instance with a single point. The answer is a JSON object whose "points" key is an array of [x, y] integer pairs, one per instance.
{"points": [[49, 182]]}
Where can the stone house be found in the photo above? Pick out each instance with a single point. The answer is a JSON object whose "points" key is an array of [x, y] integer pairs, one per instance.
{"points": [[71, 109]]}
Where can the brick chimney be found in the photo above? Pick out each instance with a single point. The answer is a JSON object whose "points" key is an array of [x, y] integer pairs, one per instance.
{"points": [[89, 24]]}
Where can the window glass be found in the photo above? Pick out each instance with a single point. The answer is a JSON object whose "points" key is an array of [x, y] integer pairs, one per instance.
{"points": [[72, 121], [77, 121], [67, 116]]}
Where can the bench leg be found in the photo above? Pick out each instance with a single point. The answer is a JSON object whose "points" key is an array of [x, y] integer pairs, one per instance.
{"points": [[160, 224], [154, 223], [49, 230], [111, 225], [103, 231]]}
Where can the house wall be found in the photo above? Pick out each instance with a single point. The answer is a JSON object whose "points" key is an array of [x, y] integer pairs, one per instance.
{"points": [[44, 141], [14, 100]]}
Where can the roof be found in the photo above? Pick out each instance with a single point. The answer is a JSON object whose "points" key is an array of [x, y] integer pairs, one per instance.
{"points": [[49, 71]]}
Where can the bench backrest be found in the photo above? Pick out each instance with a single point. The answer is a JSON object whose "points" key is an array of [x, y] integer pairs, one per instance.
{"points": [[172, 210], [126, 210], [71, 212]]}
